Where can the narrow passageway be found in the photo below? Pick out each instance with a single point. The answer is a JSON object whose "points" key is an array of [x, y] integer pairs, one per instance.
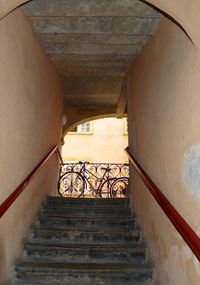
{"points": [[88, 234], [68, 62]]}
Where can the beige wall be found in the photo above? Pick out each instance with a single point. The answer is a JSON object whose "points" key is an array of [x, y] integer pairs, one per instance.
{"points": [[106, 143], [30, 124], [184, 12], [164, 116]]}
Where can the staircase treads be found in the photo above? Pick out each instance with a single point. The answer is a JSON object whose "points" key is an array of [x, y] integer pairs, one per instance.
{"points": [[70, 224], [86, 201], [85, 207], [89, 227], [93, 219], [84, 274], [61, 235], [74, 245], [101, 254], [59, 225], [83, 226], [63, 267], [87, 212], [85, 215], [84, 242]]}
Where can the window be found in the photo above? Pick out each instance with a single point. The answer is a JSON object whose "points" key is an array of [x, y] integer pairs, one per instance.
{"points": [[83, 129]]}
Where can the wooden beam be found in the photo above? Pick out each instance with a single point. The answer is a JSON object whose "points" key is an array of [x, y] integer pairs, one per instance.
{"points": [[122, 100]]}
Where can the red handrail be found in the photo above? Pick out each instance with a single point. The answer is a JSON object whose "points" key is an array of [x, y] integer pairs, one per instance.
{"points": [[20, 188], [190, 237]]}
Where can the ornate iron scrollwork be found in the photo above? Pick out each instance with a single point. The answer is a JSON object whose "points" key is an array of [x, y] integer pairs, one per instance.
{"points": [[99, 180]]}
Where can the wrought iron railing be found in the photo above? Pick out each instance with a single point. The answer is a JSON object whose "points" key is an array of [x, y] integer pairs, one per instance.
{"points": [[93, 180]]}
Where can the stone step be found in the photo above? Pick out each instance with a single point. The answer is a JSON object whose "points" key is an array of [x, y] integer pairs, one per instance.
{"points": [[86, 217], [84, 242], [50, 236], [118, 274], [83, 254], [60, 222], [96, 212], [80, 207], [100, 202]]}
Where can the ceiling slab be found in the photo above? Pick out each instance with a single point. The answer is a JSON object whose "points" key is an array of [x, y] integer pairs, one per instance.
{"points": [[60, 48], [95, 25], [90, 7], [92, 39], [92, 43], [91, 71], [93, 85], [91, 100]]}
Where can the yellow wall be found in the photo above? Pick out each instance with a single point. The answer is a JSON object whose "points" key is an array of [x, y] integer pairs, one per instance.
{"points": [[164, 116], [105, 144], [30, 124]]}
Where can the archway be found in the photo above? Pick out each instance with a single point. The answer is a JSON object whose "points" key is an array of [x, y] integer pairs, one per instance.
{"points": [[94, 158], [97, 139]]}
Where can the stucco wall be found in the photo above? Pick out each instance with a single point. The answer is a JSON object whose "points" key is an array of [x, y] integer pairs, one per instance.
{"points": [[30, 124], [164, 116]]}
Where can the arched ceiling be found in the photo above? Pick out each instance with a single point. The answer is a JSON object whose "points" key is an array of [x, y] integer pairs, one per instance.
{"points": [[92, 43]]}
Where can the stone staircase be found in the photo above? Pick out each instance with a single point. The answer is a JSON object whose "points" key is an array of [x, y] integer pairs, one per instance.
{"points": [[84, 241]]}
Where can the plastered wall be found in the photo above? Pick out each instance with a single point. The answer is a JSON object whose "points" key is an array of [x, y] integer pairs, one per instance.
{"points": [[30, 125], [164, 134]]}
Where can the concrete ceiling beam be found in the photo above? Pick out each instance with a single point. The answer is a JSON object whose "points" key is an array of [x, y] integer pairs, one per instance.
{"points": [[101, 71], [95, 25], [122, 100], [90, 8], [92, 43], [102, 100], [87, 85], [92, 57], [91, 63], [64, 48], [92, 71], [92, 39]]}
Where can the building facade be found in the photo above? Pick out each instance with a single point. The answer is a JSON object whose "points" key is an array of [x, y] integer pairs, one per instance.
{"points": [[102, 140]]}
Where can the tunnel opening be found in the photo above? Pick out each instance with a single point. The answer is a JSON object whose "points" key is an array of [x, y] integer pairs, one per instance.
{"points": [[95, 164]]}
